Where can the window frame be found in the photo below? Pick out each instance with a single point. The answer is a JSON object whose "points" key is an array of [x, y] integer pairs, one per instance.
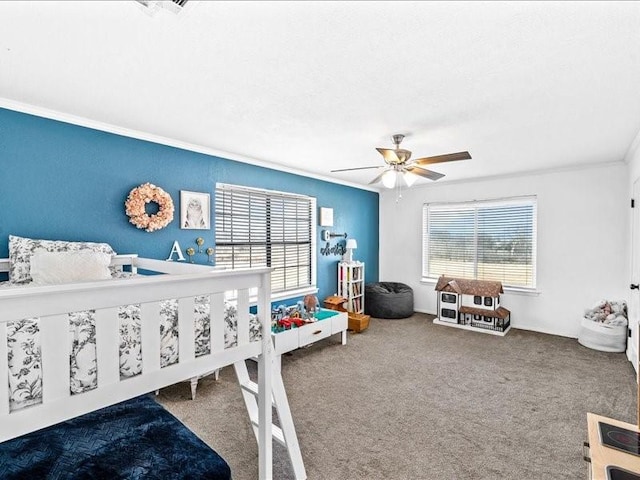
{"points": [[292, 292], [476, 204]]}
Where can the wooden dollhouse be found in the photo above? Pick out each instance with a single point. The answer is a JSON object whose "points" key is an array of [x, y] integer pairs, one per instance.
{"points": [[472, 305]]}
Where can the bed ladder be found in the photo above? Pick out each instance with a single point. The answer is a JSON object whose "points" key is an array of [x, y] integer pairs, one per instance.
{"points": [[285, 435]]}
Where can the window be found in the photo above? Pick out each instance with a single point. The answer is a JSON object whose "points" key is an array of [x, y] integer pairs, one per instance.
{"points": [[489, 240], [448, 313], [449, 298], [257, 228]]}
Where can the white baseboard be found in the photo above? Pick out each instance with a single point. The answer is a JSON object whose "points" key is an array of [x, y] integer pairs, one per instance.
{"points": [[632, 355], [521, 327], [631, 350]]}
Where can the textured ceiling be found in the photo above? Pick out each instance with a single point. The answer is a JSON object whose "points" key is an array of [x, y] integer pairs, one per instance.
{"points": [[316, 86]]}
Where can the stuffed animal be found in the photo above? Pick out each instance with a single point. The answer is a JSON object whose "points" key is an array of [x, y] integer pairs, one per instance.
{"points": [[311, 304], [609, 313]]}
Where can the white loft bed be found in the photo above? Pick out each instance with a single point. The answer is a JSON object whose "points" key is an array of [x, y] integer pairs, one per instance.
{"points": [[52, 304]]}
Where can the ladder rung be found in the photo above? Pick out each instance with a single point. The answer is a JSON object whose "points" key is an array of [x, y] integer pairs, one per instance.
{"points": [[251, 396], [252, 387], [278, 436]]}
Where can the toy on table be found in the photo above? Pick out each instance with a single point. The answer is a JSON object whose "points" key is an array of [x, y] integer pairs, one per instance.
{"points": [[300, 307], [278, 314], [294, 316], [311, 306], [286, 318], [290, 322]]}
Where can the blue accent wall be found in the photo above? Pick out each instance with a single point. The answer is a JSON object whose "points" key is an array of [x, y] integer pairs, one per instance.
{"points": [[64, 182]]}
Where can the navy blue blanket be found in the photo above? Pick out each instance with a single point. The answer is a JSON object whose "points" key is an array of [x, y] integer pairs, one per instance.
{"points": [[136, 439]]}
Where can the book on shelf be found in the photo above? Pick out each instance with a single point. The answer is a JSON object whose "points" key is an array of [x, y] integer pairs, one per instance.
{"points": [[356, 305]]}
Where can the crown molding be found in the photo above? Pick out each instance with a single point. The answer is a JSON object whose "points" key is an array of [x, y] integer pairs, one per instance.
{"points": [[171, 142], [526, 173]]}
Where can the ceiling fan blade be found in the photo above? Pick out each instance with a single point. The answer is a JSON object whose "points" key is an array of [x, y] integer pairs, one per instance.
{"points": [[449, 157], [423, 172], [378, 178], [389, 155], [356, 168]]}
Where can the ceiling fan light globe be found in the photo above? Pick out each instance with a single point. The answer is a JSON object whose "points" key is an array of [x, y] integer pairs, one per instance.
{"points": [[409, 178], [389, 178]]}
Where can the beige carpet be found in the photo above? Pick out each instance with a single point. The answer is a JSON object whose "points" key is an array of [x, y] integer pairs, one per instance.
{"points": [[407, 399]]}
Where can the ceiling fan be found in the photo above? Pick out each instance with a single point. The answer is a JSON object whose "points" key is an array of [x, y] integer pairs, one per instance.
{"points": [[399, 167]]}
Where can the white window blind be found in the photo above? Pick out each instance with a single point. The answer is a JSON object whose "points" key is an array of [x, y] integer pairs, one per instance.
{"points": [[257, 228], [488, 240]]}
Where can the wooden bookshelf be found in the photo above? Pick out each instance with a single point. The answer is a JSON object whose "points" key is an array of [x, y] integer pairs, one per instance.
{"points": [[351, 285]]}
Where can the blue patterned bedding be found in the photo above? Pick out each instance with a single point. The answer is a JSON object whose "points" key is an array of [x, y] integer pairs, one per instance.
{"points": [[136, 439], [25, 379]]}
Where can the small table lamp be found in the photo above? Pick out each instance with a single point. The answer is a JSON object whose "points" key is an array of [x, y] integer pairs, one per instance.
{"points": [[350, 247]]}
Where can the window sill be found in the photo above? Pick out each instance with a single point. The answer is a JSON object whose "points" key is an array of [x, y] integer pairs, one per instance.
{"points": [[529, 292], [293, 293], [276, 297]]}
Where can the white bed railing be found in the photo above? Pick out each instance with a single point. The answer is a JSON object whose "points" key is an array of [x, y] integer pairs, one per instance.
{"points": [[183, 282]]}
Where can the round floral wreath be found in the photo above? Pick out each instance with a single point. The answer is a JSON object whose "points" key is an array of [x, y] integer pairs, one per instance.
{"points": [[135, 207]]}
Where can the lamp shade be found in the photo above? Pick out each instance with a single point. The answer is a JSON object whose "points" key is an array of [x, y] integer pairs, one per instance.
{"points": [[351, 243]]}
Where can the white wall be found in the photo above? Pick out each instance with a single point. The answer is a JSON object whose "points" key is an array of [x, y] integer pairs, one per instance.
{"points": [[583, 232]]}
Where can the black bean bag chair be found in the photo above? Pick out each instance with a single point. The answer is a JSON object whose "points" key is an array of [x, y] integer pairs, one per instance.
{"points": [[388, 300]]}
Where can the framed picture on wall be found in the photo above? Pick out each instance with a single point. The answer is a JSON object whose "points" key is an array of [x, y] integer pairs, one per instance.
{"points": [[195, 210], [326, 217]]}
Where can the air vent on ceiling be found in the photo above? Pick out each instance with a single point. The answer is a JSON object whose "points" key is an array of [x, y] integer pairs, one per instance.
{"points": [[152, 6]]}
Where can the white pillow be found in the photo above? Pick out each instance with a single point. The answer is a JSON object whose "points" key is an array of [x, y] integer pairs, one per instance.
{"points": [[21, 249], [51, 268]]}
